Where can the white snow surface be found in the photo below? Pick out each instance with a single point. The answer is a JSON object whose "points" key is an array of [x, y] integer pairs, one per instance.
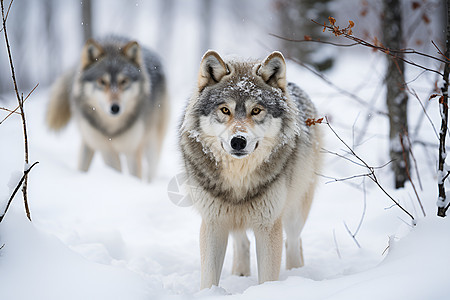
{"points": [[107, 235]]}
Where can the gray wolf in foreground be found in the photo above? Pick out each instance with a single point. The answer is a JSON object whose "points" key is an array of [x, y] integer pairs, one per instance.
{"points": [[118, 98], [251, 162]]}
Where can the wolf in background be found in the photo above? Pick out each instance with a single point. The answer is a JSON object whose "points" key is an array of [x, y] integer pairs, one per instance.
{"points": [[118, 97], [251, 162]]}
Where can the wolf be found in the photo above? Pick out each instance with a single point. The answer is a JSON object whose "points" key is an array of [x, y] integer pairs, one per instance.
{"points": [[251, 162], [118, 97]]}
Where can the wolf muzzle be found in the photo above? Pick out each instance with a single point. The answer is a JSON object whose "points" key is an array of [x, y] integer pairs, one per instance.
{"points": [[115, 109], [238, 143]]}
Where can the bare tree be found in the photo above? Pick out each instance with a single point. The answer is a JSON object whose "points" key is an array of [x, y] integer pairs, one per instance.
{"points": [[20, 99], [294, 18], [396, 95], [443, 203], [206, 12], [166, 23], [86, 16]]}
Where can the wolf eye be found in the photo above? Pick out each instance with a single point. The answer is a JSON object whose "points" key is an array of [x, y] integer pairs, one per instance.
{"points": [[101, 82], [256, 111], [123, 82], [225, 110]]}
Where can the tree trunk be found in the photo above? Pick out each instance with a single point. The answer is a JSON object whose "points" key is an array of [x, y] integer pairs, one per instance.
{"points": [[443, 203], [294, 17], [206, 16], [166, 24], [396, 96], [86, 15]]}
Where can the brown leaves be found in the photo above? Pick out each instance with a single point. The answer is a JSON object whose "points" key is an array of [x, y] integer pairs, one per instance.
{"points": [[336, 30], [426, 19], [441, 99], [311, 121], [415, 5], [377, 43], [332, 21]]}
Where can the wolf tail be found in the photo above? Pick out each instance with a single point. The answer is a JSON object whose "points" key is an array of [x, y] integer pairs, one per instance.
{"points": [[58, 109]]}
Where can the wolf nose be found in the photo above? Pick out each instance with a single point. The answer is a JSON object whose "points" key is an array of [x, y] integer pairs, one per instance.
{"points": [[115, 108], [238, 143]]}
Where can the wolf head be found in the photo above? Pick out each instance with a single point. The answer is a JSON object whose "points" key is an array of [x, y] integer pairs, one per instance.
{"points": [[110, 71], [241, 105]]}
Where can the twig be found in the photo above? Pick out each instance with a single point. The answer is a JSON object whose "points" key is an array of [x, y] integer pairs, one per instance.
{"points": [[15, 110], [415, 162], [439, 51], [391, 52], [408, 174], [312, 40], [413, 92], [335, 242], [353, 235], [24, 176], [371, 173], [7, 13], [346, 178], [20, 100], [342, 156], [8, 110], [339, 89], [443, 203]]}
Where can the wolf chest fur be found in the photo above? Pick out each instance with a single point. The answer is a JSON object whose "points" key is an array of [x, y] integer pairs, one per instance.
{"points": [[251, 161]]}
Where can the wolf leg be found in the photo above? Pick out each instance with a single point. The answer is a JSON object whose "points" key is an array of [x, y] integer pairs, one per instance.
{"points": [[213, 244], [293, 220], [269, 245], [134, 162], [152, 154], [294, 251], [241, 255], [112, 159], [85, 157]]}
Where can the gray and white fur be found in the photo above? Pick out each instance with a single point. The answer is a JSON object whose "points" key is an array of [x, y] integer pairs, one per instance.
{"points": [[251, 161], [119, 100]]}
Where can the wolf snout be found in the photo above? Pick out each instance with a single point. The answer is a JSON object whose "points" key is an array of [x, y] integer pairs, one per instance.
{"points": [[115, 109], [238, 143]]}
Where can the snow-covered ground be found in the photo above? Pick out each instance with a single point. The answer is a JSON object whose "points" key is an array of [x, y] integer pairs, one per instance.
{"points": [[106, 235]]}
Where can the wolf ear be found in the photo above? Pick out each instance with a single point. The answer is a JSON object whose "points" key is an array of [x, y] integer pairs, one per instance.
{"points": [[91, 52], [132, 51], [273, 70], [212, 69]]}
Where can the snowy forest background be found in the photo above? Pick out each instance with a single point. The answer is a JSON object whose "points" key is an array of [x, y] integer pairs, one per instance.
{"points": [[47, 35], [105, 235]]}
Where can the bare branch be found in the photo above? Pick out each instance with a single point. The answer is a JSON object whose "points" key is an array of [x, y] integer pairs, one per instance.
{"points": [[335, 242], [345, 178], [352, 235], [8, 110], [15, 110], [24, 176], [20, 101], [408, 174], [339, 89], [443, 109], [439, 51], [371, 170], [312, 40], [391, 52]]}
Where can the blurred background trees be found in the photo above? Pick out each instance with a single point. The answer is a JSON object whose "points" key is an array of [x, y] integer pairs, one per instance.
{"points": [[48, 34]]}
